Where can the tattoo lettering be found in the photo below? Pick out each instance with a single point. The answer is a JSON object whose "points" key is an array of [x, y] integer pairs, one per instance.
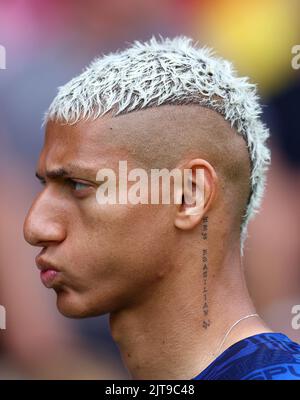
{"points": [[205, 308]]}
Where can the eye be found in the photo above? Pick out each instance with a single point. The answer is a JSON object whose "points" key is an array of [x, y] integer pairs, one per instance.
{"points": [[78, 186]]}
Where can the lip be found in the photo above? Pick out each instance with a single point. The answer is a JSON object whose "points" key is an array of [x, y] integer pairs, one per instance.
{"points": [[43, 264], [48, 276], [49, 272]]}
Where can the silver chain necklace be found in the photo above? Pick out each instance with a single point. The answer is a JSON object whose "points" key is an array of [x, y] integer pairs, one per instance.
{"points": [[230, 329]]}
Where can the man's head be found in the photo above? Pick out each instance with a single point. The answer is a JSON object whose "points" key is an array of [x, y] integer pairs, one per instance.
{"points": [[156, 105]]}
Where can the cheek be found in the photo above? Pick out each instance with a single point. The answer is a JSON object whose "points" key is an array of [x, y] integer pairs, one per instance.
{"points": [[115, 229], [114, 261], [121, 244]]}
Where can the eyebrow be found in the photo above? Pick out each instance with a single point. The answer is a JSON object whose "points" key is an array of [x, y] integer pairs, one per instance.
{"points": [[71, 171], [54, 174]]}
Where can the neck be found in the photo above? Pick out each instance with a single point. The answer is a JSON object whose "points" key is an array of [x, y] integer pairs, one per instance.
{"points": [[169, 336]]}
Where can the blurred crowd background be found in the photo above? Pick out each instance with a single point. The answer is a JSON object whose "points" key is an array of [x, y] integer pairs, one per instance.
{"points": [[47, 43]]}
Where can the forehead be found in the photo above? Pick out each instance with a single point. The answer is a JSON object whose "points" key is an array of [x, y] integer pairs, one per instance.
{"points": [[105, 139], [88, 142]]}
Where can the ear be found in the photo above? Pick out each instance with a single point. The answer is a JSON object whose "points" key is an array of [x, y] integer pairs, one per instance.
{"points": [[198, 193]]}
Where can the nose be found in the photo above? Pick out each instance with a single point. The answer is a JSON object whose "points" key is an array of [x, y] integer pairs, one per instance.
{"points": [[44, 224]]}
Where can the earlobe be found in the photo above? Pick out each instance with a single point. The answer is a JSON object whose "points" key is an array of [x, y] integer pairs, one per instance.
{"points": [[186, 221], [189, 215]]}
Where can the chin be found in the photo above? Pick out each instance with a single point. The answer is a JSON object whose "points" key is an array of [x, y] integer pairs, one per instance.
{"points": [[74, 306]]}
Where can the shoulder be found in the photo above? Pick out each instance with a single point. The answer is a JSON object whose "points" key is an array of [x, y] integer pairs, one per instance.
{"points": [[266, 356]]}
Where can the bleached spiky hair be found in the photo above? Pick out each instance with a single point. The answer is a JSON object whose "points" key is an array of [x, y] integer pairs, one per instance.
{"points": [[170, 71]]}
